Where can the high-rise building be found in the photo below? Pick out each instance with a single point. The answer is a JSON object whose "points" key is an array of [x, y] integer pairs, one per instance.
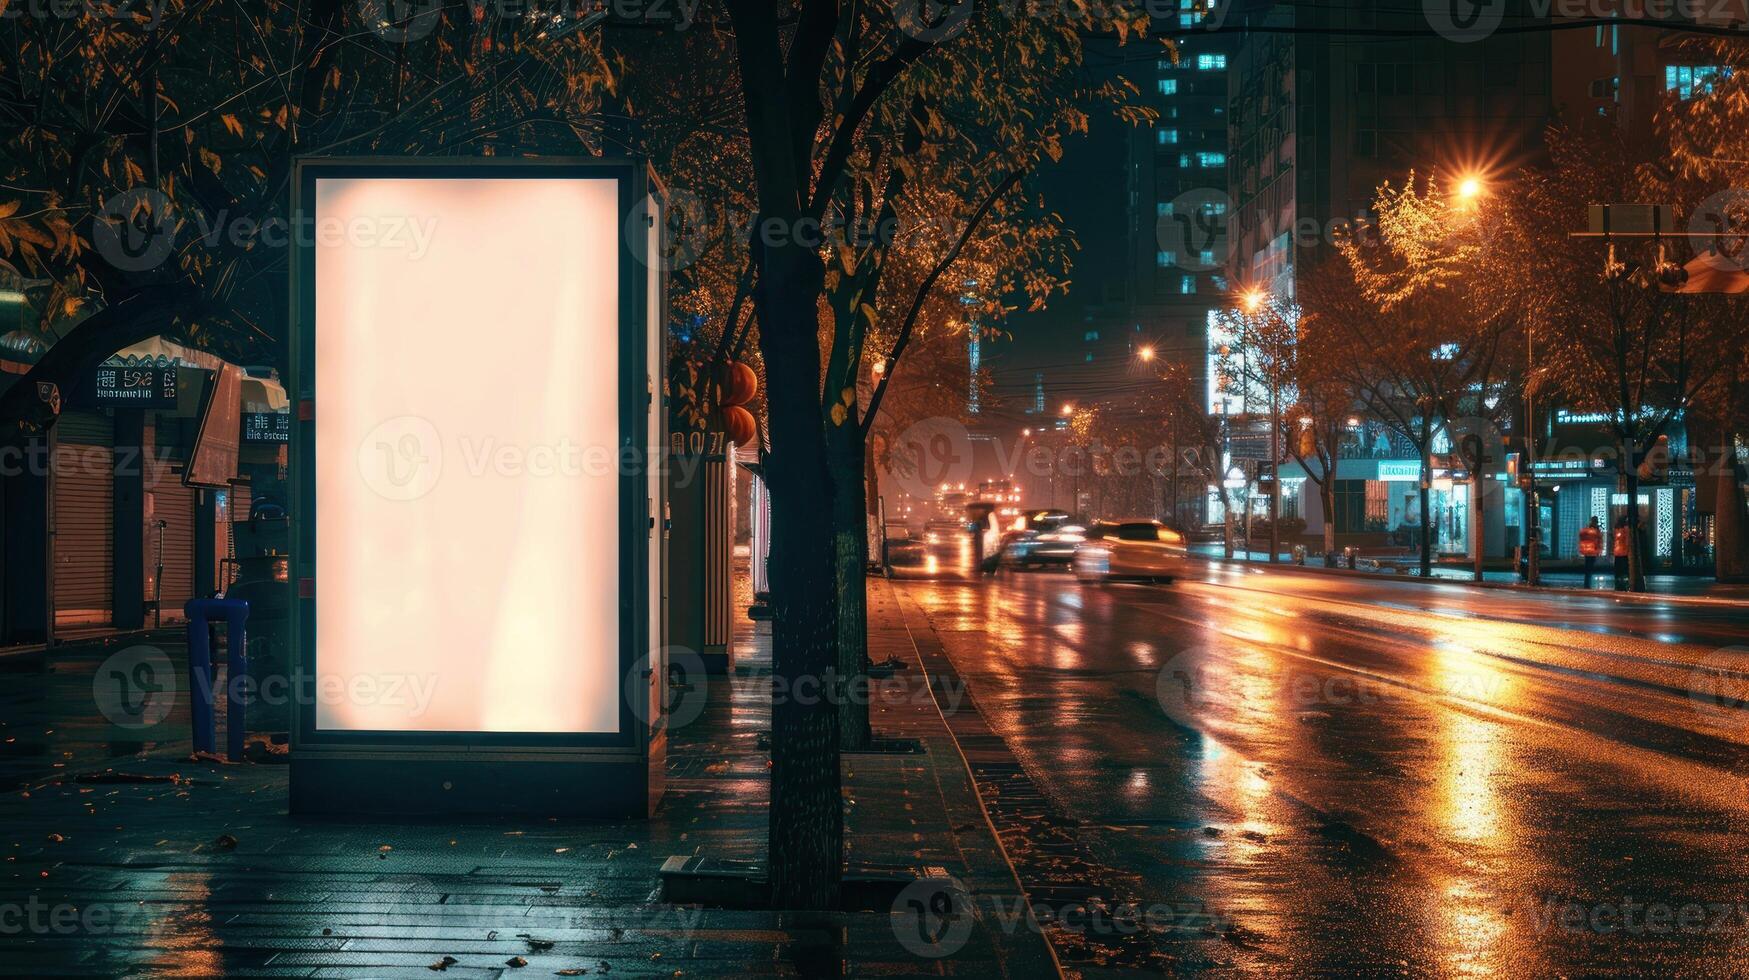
{"points": [[1321, 117], [1176, 189]]}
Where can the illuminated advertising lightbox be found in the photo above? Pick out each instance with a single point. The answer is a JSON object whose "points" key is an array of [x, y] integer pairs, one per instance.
{"points": [[478, 562]]}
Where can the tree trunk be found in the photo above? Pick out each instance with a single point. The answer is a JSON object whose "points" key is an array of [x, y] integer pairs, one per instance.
{"points": [[1327, 492], [1478, 491], [806, 817], [845, 455], [1730, 540], [1227, 518], [1636, 554]]}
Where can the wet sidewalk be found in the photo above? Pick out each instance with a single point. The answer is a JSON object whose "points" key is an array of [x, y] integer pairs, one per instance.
{"points": [[123, 857], [1556, 579]]}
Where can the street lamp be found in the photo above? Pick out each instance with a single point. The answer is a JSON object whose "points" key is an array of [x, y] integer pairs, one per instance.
{"points": [[1146, 353]]}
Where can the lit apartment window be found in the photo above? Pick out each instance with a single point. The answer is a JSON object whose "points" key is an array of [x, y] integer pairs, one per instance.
{"points": [[1166, 136], [1211, 159], [1187, 20], [1163, 258], [1687, 81], [1168, 86], [1090, 335], [1207, 258], [1187, 285], [1184, 159], [1211, 62], [1162, 209]]}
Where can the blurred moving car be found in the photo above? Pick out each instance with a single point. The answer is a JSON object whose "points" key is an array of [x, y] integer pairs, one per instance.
{"points": [[1033, 548], [903, 548], [943, 531], [1136, 548]]}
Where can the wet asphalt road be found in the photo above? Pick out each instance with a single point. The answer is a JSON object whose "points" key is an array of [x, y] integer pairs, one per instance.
{"points": [[1377, 778]]}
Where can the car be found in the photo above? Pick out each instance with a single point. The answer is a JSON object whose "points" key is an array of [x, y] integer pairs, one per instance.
{"points": [[903, 548], [1132, 548], [942, 531], [1040, 548]]}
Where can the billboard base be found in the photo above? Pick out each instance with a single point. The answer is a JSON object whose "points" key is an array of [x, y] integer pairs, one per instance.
{"points": [[482, 785]]}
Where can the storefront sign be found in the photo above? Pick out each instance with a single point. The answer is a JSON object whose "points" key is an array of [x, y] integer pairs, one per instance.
{"points": [[1399, 471], [266, 427], [140, 387]]}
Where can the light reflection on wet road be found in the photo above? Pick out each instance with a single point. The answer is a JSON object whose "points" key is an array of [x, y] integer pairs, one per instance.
{"points": [[1386, 777]]}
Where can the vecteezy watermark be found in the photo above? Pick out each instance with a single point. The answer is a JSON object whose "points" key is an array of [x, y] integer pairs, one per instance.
{"points": [[688, 689], [135, 688], [402, 458], [407, 21], [148, 13], [693, 225], [1187, 683], [1193, 231], [36, 917], [1635, 917], [932, 454], [684, 691], [1720, 225], [1467, 21], [1464, 21], [933, 917], [401, 21], [933, 21], [138, 230], [406, 457], [1718, 686], [71, 459]]}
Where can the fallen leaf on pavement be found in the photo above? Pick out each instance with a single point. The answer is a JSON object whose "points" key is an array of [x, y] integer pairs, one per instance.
{"points": [[535, 942]]}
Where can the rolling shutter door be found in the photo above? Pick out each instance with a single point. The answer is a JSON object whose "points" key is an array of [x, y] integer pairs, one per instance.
{"points": [[80, 517], [176, 509], [173, 504]]}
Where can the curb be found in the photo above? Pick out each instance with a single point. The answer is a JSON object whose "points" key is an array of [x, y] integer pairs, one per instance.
{"points": [[972, 781], [1636, 597]]}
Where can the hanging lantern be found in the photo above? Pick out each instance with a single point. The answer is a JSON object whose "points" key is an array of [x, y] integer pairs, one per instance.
{"points": [[739, 424], [740, 384]]}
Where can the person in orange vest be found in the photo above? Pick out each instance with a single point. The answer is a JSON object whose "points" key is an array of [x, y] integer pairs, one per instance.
{"points": [[1619, 547], [1590, 548]]}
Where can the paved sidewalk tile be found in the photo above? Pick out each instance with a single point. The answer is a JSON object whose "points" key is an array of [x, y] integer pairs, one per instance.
{"points": [[198, 869]]}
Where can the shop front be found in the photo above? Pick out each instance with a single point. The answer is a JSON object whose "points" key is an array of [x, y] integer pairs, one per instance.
{"points": [[1378, 506], [1580, 480]]}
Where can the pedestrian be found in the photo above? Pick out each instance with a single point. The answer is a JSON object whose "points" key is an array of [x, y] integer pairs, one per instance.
{"points": [[1590, 548], [1619, 546]]}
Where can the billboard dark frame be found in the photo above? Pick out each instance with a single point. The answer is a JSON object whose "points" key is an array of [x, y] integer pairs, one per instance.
{"points": [[638, 512]]}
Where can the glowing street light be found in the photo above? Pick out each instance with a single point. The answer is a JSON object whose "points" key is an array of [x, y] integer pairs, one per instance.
{"points": [[1146, 353], [1252, 299], [1068, 409], [1469, 188]]}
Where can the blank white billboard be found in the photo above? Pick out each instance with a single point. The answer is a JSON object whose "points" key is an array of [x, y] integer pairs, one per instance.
{"points": [[466, 417]]}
